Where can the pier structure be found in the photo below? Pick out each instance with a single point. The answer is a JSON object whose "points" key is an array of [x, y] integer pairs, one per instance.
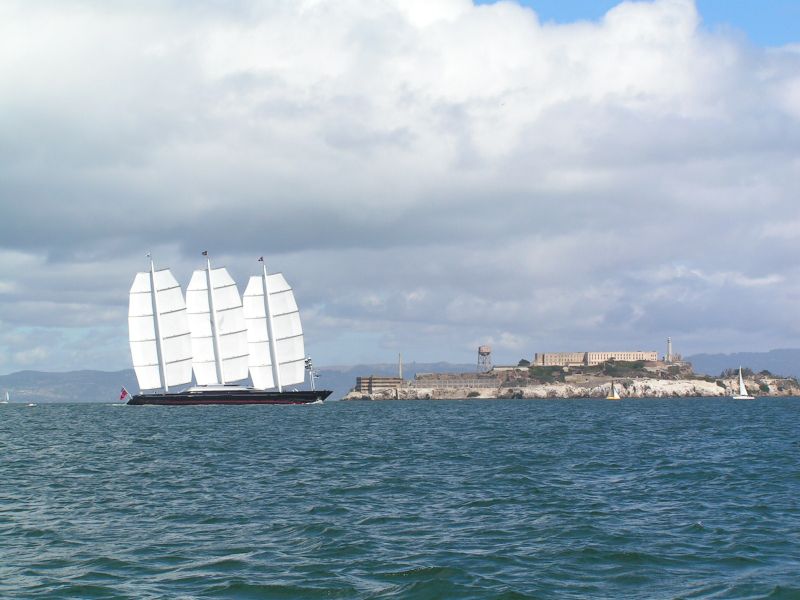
{"points": [[376, 383]]}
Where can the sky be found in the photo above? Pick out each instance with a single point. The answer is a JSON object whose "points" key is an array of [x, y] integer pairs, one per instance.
{"points": [[429, 176], [771, 23]]}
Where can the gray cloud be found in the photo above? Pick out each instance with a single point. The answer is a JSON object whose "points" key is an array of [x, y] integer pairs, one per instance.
{"points": [[428, 175]]}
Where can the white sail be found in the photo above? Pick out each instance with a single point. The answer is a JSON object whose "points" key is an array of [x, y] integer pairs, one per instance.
{"points": [[742, 389], [287, 345], [219, 338], [159, 331]]}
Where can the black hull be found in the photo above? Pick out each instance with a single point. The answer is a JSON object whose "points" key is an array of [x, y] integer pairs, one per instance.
{"points": [[230, 397]]}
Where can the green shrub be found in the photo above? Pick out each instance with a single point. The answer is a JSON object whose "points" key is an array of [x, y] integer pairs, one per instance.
{"points": [[473, 394], [546, 374], [730, 373]]}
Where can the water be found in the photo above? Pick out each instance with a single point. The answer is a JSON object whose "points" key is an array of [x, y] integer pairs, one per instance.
{"points": [[681, 498]]}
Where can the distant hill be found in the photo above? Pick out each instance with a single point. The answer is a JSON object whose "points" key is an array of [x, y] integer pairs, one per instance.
{"points": [[71, 386], [784, 362], [104, 386]]}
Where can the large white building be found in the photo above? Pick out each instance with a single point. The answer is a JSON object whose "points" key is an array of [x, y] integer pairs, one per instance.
{"points": [[588, 359]]}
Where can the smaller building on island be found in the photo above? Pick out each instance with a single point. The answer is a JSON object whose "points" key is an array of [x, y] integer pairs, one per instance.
{"points": [[376, 383]]}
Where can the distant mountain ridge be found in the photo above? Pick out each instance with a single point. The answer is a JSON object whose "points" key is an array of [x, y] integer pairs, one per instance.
{"points": [[104, 386], [784, 361], [70, 386]]}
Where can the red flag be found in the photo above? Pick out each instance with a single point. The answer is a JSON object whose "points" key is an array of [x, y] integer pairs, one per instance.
{"points": [[123, 394]]}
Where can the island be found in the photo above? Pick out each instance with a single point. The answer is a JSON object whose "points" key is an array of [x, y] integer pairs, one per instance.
{"points": [[632, 379]]}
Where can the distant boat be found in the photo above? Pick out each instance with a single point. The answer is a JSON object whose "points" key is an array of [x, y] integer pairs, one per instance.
{"points": [[6, 400], [742, 395], [613, 394]]}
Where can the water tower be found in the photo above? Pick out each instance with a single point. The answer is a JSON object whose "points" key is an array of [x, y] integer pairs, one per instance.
{"points": [[484, 359]]}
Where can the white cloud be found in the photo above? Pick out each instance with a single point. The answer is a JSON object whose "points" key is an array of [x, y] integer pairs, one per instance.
{"points": [[31, 356], [426, 173]]}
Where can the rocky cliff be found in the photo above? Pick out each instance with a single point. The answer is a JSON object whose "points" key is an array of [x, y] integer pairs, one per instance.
{"points": [[630, 388]]}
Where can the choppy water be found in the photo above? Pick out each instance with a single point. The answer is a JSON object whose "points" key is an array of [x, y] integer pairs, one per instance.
{"points": [[466, 499]]}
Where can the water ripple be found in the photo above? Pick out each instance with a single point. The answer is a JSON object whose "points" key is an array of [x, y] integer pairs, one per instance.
{"points": [[473, 499]]}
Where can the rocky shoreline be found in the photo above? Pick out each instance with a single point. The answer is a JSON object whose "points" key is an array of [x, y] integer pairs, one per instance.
{"points": [[628, 388]]}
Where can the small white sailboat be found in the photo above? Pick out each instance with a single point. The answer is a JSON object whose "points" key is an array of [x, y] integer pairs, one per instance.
{"points": [[8, 397], [742, 395], [614, 393]]}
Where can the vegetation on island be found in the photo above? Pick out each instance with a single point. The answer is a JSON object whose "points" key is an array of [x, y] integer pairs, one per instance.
{"points": [[746, 372], [612, 368], [638, 369], [546, 374]]}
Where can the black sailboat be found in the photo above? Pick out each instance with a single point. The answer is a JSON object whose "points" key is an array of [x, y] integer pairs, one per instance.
{"points": [[235, 395]]}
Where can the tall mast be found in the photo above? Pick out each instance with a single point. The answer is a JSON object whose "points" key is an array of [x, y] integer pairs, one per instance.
{"points": [[273, 354], [157, 321], [213, 313]]}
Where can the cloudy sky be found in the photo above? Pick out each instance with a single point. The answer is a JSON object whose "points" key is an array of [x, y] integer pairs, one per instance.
{"points": [[429, 174]]}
